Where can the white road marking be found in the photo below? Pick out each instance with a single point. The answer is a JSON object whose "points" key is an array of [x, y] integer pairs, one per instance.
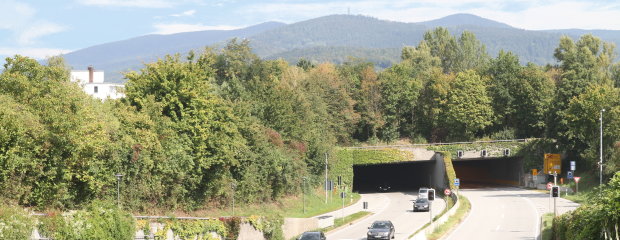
{"points": [[538, 215], [368, 218]]}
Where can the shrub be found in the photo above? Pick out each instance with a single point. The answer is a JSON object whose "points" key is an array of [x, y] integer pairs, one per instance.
{"points": [[15, 223], [100, 220]]}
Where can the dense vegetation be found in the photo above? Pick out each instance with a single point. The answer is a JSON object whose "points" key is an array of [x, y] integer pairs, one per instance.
{"points": [[192, 130], [598, 218]]}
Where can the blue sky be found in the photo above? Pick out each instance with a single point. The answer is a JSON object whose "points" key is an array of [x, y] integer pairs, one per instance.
{"points": [[40, 28]]}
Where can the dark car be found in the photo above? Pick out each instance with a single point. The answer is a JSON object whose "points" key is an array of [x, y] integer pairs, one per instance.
{"points": [[421, 204], [312, 236], [381, 230], [384, 187]]}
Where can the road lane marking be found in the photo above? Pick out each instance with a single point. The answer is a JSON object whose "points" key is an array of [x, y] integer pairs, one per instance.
{"points": [[366, 219], [537, 217]]}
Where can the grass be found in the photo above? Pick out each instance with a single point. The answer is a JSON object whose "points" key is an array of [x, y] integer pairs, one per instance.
{"points": [[453, 221], [547, 224], [347, 219], [290, 206]]}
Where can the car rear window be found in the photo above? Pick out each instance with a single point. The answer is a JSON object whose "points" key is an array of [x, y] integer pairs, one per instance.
{"points": [[380, 225], [423, 191], [310, 236]]}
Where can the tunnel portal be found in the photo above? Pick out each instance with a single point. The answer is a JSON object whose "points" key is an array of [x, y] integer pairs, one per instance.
{"points": [[404, 176], [483, 172]]}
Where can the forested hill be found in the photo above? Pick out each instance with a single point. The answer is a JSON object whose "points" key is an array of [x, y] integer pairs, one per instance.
{"points": [[332, 38]]}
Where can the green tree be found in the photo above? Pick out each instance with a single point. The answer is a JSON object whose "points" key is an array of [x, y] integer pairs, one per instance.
{"points": [[468, 107], [582, 116]]}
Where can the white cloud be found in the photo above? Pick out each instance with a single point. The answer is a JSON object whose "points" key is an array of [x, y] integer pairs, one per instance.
{"points": [[15, 14], [171, 28], [30, 33], [20, 19], [36, 53], [187, 13], [130, 3]]}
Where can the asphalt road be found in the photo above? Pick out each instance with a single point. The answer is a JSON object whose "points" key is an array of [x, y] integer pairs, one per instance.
{"points": [[394, 206], [505, 213]]}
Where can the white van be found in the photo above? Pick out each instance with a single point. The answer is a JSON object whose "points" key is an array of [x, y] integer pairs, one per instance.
{"points": [[423, 192]]}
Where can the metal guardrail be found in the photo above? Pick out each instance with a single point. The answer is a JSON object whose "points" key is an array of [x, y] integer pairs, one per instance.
{"points": [[440, 144]]}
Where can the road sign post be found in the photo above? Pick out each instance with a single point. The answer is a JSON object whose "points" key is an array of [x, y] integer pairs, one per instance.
{"points": [[457, 183], [576, 184]]}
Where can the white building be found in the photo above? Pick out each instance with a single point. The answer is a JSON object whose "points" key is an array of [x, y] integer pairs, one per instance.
{"points": [[92, 82]]}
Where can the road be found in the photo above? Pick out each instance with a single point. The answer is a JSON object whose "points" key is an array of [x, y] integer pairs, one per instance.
{"points": [[505, 213], [394, 206]]}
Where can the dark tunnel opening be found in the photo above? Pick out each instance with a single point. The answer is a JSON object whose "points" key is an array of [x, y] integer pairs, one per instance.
{"points": [[488, 172], [406, 176]]}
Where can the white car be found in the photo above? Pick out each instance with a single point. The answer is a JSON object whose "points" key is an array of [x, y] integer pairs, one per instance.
{"points": [[423, 192]]}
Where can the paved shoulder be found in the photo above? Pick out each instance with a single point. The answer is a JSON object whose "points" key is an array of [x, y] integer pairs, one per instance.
{"points": [[506, 213]]}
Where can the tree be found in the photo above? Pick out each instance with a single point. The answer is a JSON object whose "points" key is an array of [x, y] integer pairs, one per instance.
{"points": [[468, 107], [533, 93], [444, 46], [584, 63], [505, 75], [582, 117]]}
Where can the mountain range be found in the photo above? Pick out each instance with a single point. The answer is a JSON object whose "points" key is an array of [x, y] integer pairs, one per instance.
{"points": [[334, 38]]}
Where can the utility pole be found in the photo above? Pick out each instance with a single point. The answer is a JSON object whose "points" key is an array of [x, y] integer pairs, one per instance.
{"points": [[233, 186], [303, 190], [118, 189], [600, 163], [326, 187]]}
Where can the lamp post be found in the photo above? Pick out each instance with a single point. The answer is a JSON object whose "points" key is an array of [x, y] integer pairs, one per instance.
{"points": [[600, 163], [233, 186], [118, 188], [326, 188], [303, 190]]}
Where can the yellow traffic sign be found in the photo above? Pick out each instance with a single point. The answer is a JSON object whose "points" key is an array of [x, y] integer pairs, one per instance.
{"points": [[552, 163]]}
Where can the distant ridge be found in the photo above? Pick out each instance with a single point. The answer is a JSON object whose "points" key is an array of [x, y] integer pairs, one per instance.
{"points": [[464, 19], [333, 38]]}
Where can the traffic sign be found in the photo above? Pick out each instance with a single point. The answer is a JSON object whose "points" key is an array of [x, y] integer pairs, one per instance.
{"points": [[549, 185], [577, 179], [552, 163], [572, 165], [569, 174], [447, 192], [457, 182]]}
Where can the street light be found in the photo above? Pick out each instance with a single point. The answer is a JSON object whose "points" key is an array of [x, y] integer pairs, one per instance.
{"points": [[118, 188], [233, 186], [303, 190], [600, 163]]}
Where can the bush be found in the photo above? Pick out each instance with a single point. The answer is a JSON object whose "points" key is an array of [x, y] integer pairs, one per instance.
{"points": [[597, 219], [15, 223], [100, 220]]}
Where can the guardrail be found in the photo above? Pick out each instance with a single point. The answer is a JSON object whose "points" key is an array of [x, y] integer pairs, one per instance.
{"points": [[440, 144], [421, 234]]}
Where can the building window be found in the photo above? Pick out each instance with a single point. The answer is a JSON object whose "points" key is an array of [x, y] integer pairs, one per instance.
{"points": [[96, 89]]}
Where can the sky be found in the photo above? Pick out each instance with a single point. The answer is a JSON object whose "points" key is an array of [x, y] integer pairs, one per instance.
{"points": [[42, 28]]}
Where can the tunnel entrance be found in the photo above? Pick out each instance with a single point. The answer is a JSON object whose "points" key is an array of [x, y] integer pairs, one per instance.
{"points": [[404, 176], [482, 172]]}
